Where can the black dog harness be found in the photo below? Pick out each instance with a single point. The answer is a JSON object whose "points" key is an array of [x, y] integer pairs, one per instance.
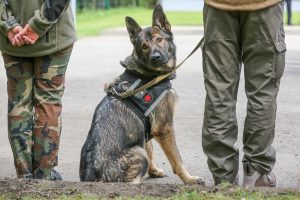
{"points": [[144, 102]]}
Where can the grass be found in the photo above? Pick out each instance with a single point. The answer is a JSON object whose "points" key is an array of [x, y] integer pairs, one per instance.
{"points": [[93, 22], [220, 193], [295, 18], [193, 195]]}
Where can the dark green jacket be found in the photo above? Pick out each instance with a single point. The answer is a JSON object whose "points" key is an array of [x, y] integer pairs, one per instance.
{"points": [[241, 5], [52, 20]]}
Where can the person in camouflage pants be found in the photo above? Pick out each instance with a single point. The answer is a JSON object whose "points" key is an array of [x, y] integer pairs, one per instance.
{"points": [[36, 44], [35, 87]]}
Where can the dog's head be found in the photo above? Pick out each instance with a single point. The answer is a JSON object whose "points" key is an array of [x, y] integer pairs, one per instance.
{"points": [[154, 52]]}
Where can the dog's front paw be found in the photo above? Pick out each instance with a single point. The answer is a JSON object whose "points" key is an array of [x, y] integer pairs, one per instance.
{"points": [[193, 180], [156, 173]]}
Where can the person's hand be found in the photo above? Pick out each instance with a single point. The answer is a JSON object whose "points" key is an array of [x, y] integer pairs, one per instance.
{"points": [[13, 36], [28, 35]]}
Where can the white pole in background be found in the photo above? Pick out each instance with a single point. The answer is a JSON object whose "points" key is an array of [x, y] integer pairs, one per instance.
{"points": [[73, 5]]}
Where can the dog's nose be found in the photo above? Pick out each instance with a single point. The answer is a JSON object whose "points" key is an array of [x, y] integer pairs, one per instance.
{"points": [[155, 57]]}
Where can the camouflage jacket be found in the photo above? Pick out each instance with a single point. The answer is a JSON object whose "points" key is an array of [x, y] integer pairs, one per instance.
{"points": [[241, 5], [52, 20]]}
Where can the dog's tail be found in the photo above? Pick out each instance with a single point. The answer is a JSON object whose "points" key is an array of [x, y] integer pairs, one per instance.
{"points": [[127, 167]]}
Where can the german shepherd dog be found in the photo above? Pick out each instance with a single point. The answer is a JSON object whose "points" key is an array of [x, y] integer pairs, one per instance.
{"points": [[116, 148]]}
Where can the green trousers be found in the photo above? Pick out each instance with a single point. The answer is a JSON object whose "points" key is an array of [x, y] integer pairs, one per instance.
{"points": [[35, 87], [256, 40]]}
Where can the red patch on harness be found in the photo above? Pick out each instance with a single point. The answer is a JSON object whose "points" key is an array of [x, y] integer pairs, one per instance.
{"points": [[147, 98]]}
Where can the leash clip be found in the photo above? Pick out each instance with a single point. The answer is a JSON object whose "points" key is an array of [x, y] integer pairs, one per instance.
{"points": [[129, 92], [113, 91]]}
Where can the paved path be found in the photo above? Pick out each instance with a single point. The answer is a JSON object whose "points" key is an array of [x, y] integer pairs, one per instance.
{"points": [[96, 60]]}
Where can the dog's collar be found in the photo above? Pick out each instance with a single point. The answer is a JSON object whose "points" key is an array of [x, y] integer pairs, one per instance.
{"points": [[148, 78], [135, 75]]}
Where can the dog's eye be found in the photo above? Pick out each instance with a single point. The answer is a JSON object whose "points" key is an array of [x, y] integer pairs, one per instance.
{"points": [[159, 39], [144, 47]]}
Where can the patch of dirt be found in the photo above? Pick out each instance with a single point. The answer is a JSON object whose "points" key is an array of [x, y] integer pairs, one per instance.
{"points": [[19, 188], [53, 189]]}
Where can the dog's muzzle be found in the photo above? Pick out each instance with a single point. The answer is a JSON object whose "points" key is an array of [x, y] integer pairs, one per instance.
{"points": [[158, 60]]}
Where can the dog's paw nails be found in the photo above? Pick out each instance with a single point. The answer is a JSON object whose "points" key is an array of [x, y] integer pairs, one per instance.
{"points": [[157, 173], [195, 180], [200, 181]]}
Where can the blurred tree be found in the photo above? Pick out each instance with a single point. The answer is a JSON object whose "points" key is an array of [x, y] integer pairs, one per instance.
{"points": [[147, 3], [106, 4]]}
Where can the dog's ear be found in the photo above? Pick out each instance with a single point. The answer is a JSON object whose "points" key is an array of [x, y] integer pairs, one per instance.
{"points": [[133, 29], [159, 19]]}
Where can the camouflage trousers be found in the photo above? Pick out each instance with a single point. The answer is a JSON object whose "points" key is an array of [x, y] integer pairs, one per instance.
{"points": [[256, 39], [35, 87]]}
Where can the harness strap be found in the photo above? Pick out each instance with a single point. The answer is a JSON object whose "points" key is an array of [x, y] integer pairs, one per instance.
{"points": [[134, 108], [156, 80], [156, 102]]}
